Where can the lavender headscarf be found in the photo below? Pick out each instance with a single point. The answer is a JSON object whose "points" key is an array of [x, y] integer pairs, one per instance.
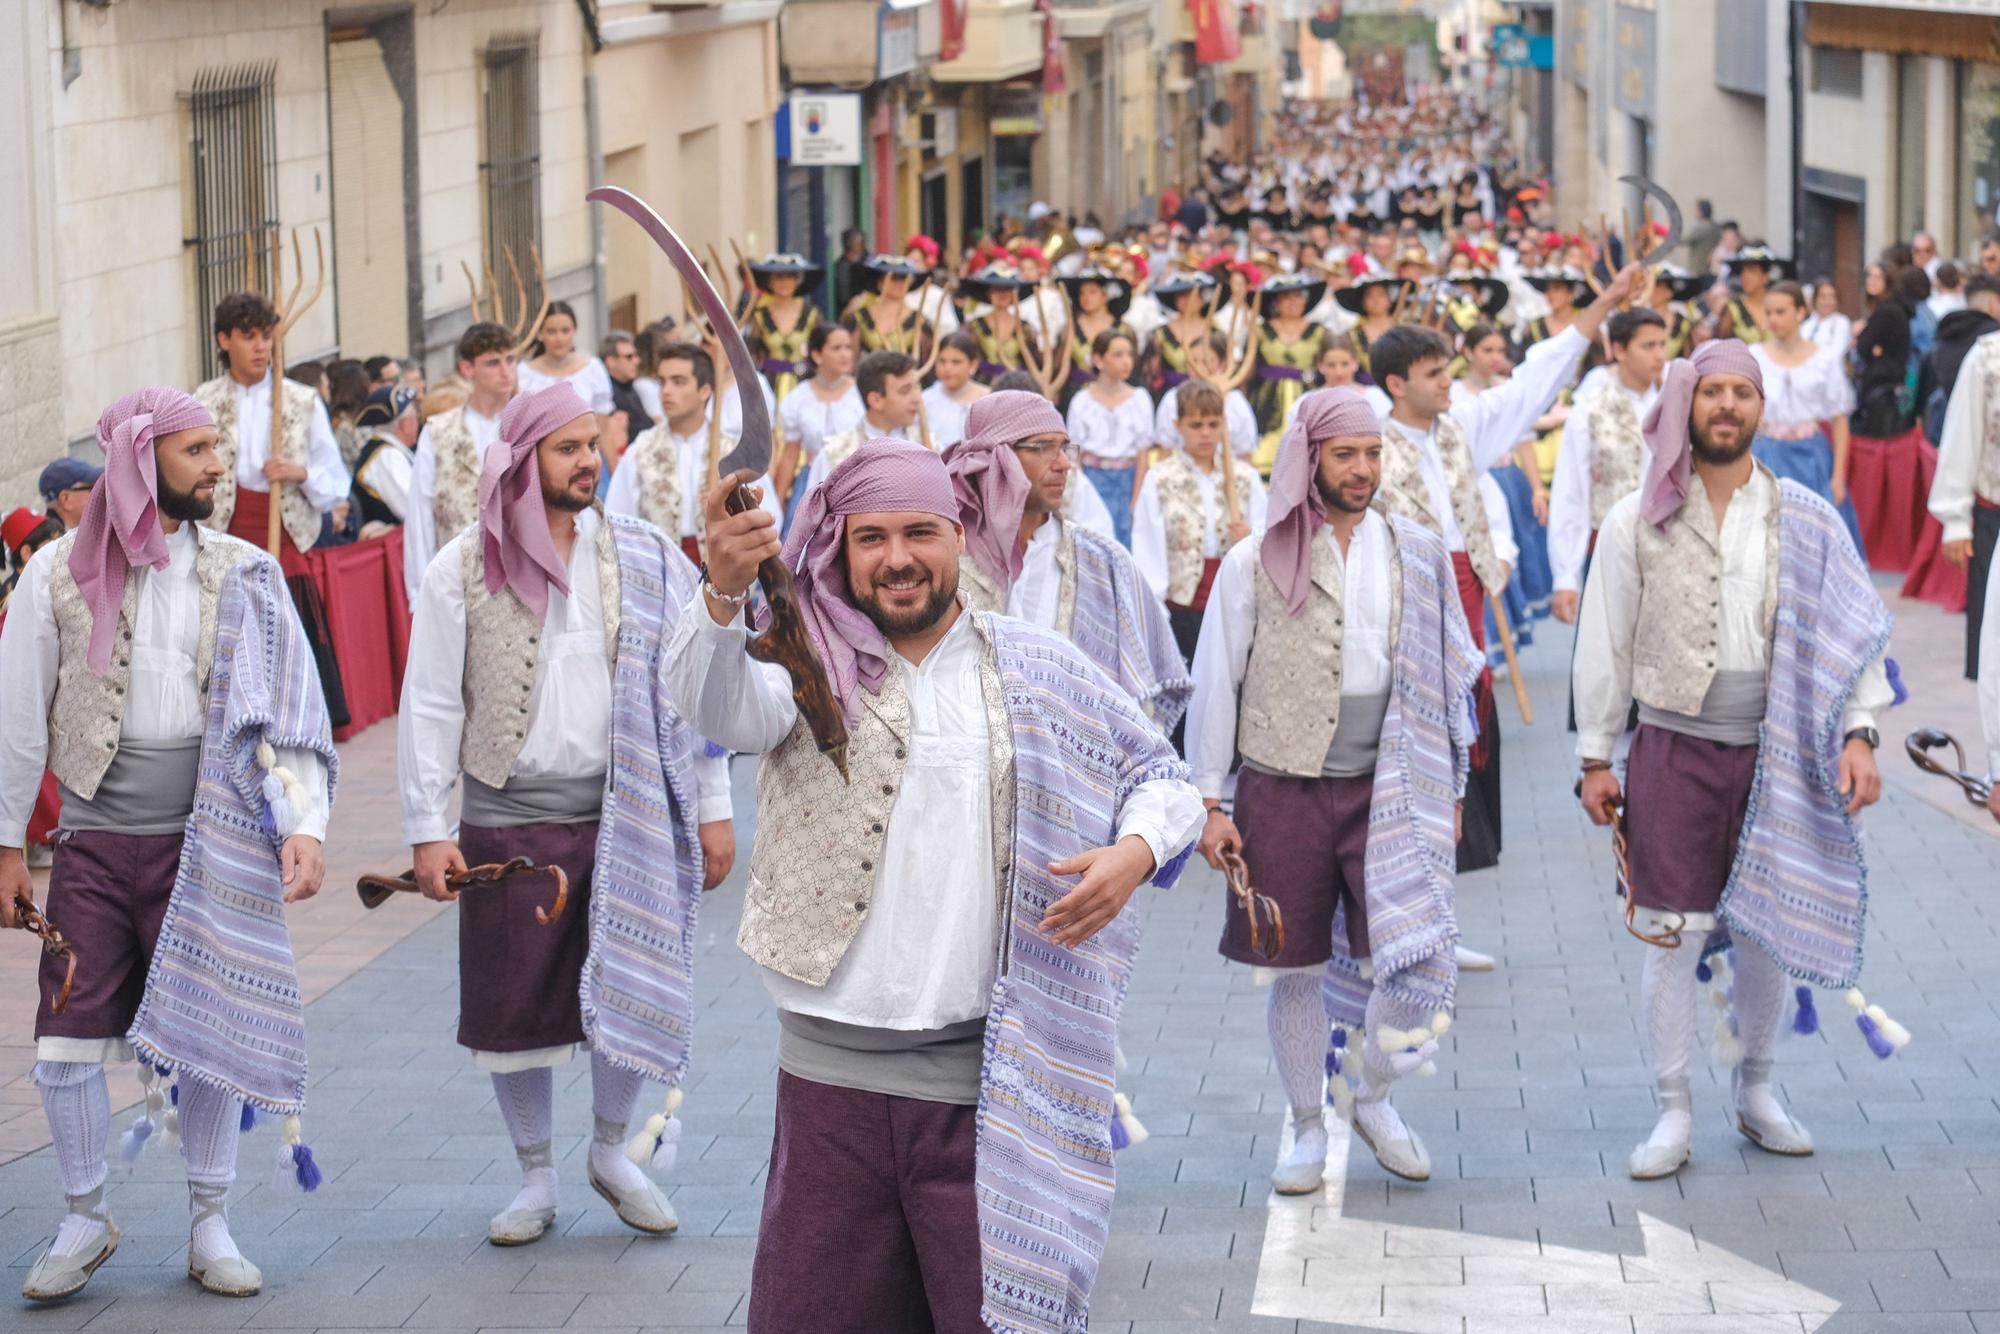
{"points": [[513, 523], [882, 477], [1296, 509], [121, 520], [987, 479], [1667, 434]]}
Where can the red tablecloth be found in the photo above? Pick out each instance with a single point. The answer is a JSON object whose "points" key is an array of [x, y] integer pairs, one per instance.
{"points": [[1889, 485], [368, 618], [1931, 577]]}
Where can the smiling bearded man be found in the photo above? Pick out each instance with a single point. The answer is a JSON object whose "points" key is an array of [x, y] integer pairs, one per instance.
{"points": [[931, 932], [1732, 607]]}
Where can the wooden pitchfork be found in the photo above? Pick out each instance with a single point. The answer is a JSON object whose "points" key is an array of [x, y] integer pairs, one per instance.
{"points": [[1052, 368], [289, 311], [929, 362], [494, 307], [376, 890]]}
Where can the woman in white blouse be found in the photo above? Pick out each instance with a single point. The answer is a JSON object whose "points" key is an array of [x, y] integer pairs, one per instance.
{"points": [[1826, 326], [1112, 426], [824, 405], [556, 359], [1803, 432], [955, 391]]}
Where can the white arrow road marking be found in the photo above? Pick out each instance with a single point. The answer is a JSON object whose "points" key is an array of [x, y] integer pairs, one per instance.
{"points": [[1320, 1265]]}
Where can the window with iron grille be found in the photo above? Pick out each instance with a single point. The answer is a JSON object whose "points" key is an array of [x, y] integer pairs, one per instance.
{"points": [[510, 166], [233, 190]]}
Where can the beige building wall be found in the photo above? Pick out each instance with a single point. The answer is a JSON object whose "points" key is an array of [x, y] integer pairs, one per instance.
{"points": [[687, 126], [1856, 136], [1707, 143], [31, 431]]}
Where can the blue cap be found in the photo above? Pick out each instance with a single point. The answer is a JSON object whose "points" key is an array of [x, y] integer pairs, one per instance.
{"points": [[65, 473]]}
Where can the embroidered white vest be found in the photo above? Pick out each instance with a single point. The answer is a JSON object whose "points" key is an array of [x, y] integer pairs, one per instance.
{"points": [[1986, 480], [1179, 490], [1290, 705], [1680, 603], [455, 502], [1404, 494], [87, 710], [502, 643], [300, 519], [1616, 446], [819, 839]]}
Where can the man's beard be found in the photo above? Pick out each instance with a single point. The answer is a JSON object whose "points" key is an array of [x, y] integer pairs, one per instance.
{"points": [[185, 506], [1706, 451], [943, 594], [1337, 501], [566, 499]]}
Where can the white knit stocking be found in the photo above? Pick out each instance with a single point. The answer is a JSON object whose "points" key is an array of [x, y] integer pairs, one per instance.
{"points": [[1757, 1000], [211, 1126], [1299, 1035], [527, 1105], [79, 1111], [613, 1092], [1667, 990]]}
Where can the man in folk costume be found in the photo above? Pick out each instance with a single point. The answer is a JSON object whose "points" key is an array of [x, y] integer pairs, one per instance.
{"points": [[1184, 521], [1603, 453], [892, 399], [534, 672], [451, 451], [1433, 454], [304, 469], [663, 473], [929, 931], [1731, 606], [1336, 660], [1021, 555], [1965, 493], [159, 670]]}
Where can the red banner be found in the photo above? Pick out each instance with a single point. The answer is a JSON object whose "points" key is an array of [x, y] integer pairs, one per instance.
{"points": [[1055, 79], [1215, 39], [951, 29]]}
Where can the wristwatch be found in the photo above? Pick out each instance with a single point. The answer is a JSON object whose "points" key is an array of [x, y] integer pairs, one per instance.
{"points": [[1868, 734]]}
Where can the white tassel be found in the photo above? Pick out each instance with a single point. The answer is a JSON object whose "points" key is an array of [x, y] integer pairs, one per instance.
{"points": [[273, 787], [170, 1131], [1728, 1049], [1343, 1098], [1427, 1069], [1899, 1037], [1135, 1133], [1718, 998], [1856, 1001], [1440, 1024], [285, 1176], [657, 1145], [266, 757]]}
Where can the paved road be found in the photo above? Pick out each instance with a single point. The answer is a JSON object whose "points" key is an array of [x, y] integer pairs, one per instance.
{"points": [[1531, 1223]]}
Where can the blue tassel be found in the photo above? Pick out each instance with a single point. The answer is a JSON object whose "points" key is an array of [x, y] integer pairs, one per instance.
{"points": [[306, 1168], [1876, 1042], [1895, 673], [249, 1118], [1703, 973], [713, 751], [1806, 1021], [1119, 1139], [174, 1095]]}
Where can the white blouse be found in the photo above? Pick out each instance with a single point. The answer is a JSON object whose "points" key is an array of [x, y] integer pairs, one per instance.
{"points": [[1833, 332], [807, 418], [1122, 432], [1815, 390], [590, 380], [946, 416]]}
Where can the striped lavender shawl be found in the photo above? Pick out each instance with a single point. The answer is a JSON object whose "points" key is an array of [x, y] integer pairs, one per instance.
{"points": [[638, 981], [222, 998], [1427, 737], [1044, 1184], [1799, 887], [1119, 625]]}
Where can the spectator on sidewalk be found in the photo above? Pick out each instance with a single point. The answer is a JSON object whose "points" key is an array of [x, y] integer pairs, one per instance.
{"points": [[65, 486], [1956, 333]]}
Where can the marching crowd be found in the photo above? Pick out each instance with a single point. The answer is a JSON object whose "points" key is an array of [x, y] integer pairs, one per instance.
{"points": [[1102, 548]]}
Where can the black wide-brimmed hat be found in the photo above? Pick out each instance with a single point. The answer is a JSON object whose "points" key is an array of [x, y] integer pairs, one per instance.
{"points": [[1486, 292], [877, 267], [773, 265], [1764, 255], [1542, 279], [995, 277], [1278, 284], [1117, 295], [1350, 297], [1683, 286], [1181, 282]]}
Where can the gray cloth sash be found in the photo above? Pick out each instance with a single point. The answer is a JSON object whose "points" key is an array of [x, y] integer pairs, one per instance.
{"points": [[532, 801], [149, 789], [933, 1064], [1732, 712], [1357, 739]]}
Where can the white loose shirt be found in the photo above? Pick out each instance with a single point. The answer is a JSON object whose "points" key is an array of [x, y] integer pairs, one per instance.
{"points": [[1569, 495], [1989, 670], [1149, 525], [925, 954], [591, 381], [326, 472], [1609, 621], [622, 496], [420, 534], [1229, 629], [163, 702], [1123, 432], [387, 473], [808, 419], [1238, 417], [569, 710], [1960, 444], [946, 415]]}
